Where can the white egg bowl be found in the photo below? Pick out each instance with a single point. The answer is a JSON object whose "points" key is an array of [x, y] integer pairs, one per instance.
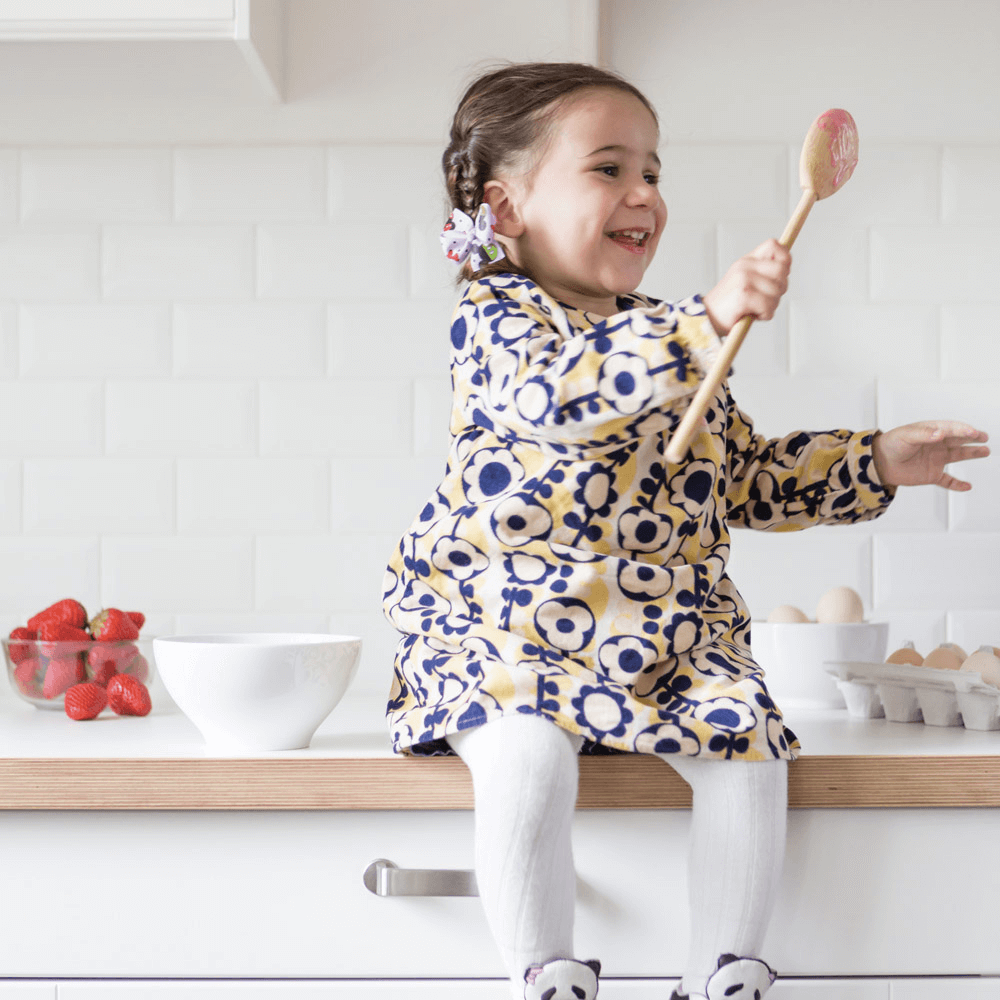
{"points": [[257, 691], [792, 655]]}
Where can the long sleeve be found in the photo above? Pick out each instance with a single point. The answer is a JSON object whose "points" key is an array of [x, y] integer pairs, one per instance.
{"points": [[526, 367], [803, 479]]}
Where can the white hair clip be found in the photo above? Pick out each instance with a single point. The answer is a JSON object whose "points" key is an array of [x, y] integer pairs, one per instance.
{"points": [[463, 238]]}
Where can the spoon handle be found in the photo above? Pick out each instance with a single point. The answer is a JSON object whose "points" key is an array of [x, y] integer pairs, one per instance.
{"points": [[681, 439]]}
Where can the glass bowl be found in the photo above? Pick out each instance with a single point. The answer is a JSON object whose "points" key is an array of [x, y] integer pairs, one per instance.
{"points": [[40, 672]]}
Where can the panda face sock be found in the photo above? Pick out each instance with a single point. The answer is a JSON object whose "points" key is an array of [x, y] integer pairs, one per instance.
{"points": [[562, 979], [735, 979]]}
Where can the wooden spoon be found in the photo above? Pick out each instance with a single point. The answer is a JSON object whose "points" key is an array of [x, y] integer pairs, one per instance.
{"points": [[829, 156]]}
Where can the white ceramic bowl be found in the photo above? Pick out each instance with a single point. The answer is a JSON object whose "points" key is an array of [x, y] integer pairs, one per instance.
{"points": [[792, 657], [257, 691]]}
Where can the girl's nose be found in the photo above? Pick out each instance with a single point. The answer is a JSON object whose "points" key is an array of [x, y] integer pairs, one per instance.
{"points": [[641, 194]]}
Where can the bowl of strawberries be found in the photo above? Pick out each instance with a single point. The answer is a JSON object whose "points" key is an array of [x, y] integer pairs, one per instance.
{"points": [[62, 659]]}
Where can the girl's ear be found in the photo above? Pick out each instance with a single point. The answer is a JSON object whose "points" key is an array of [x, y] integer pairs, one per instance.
{"points": [[500, 196]]}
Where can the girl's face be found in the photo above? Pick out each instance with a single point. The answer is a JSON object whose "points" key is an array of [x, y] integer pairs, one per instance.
{"points": [[591, 211]]}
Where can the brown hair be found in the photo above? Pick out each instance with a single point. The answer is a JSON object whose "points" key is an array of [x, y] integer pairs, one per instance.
{"points": [[503, 115]]}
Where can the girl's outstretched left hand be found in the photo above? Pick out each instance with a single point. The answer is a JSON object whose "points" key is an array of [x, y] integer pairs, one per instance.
{"points": [[916, 454]]}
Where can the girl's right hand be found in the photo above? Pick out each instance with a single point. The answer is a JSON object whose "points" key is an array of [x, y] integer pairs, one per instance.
{"points": [[753, 286]]}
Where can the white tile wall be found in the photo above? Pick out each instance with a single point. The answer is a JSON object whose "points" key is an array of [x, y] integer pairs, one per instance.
{"points": [[223, 366]]}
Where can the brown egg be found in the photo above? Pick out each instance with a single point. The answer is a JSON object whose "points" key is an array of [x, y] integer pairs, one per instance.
{"points": [[944, 657], [905, 654], [841, 604], [985, 661], [787, 614]]}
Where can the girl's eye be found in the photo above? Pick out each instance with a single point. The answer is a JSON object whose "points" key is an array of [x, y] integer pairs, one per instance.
{"points": [[610, 170], [652, 179]]}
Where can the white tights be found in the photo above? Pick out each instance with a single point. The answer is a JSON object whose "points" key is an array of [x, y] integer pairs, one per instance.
{"points": [[524, 773]]}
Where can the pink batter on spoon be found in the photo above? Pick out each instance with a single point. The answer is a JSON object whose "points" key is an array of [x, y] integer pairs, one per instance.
{"points": [[843, 143]]}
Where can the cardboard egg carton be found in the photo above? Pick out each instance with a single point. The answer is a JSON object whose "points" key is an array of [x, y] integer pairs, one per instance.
{"points": [[902, 692]]}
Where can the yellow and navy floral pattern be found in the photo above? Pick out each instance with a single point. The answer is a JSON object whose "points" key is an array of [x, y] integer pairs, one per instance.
{"points": [[564, 568]]}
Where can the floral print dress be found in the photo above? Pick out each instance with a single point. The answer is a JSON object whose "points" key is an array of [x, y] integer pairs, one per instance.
{"points": [[564, 568]]}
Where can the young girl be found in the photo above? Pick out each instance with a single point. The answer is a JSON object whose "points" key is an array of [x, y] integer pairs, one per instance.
{"points": [[565, 587]]}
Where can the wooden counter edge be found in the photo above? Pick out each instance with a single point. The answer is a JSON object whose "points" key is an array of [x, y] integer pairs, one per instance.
{"points": [[625, 782]]}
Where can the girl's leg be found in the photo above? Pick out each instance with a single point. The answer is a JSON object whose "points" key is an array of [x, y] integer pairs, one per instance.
{"points": [[524, 774], [737, 846]]}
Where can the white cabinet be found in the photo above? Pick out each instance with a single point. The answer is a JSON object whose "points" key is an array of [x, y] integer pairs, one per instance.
{"points": [[986, 988], [396, 990], [829, 989], [27, 991], [255, 26]]}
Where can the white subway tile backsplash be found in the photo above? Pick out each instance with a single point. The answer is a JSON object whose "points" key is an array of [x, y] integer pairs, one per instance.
{"points": [[431, 418], [51, 417], [95, 340], [971, 184], [98, 496], [95, 185], [329, 573], [249, 339], [970, 342], [972, 629], [9, 169], [914, 509], [779, 406], [224, 496], [49, 262], [399, 340], [171, 262], [432, 275], [10, 496], [39, 571], [925, 629], [904, 402], [190, 418], [799, 567], [387, 183], [862, 339], [249, 184], [949, 571], [177, 575], [378, 648], [685, 263], [381, 494], [342, 260], [335, 417], [945, 264], [9, 351], [892, 183], [977, 509], [252, 621], [733, 182]]}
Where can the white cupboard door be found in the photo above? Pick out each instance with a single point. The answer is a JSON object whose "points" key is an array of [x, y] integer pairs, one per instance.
{"points": [[829, 989], [454, 989], [27, 991], [973, 988]]}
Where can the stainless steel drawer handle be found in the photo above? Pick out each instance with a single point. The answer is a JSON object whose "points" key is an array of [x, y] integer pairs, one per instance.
{"points": [[387, 879]]}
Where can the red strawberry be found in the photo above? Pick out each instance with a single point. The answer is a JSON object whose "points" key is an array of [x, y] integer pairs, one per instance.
{"points": [[138, 617], [128, 696], [27, 676], [62, 673], [138, 668], [85, 701], [68, 611], [105, 659], [22, 650], [110, 625], [59, 639]]}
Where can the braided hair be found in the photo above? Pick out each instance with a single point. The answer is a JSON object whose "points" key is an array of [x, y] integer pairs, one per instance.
{"points": [[503, 118]]}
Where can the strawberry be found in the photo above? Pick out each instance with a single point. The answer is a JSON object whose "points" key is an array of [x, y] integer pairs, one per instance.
{"points": [[138, 668], [85, 701], [27, 676], [22, 650], [128, 696], [67, 611], [110, 625], [62, 673], [60, 639], [105, 659], [137, 617]]}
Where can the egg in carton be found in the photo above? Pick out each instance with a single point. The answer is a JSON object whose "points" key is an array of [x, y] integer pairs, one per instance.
{"points": [[947, 688]]}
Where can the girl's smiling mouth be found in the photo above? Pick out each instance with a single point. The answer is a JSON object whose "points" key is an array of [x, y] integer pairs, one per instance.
{"points": [[633, 240]]}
